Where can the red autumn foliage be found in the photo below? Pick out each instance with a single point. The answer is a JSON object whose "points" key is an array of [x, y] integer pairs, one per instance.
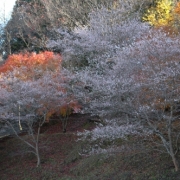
{"points": [[29, 65]]}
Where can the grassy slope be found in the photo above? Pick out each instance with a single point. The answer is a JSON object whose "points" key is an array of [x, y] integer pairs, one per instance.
{"points": [[61, 159]]}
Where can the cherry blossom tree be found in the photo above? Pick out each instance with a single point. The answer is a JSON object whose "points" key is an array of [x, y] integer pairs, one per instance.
{"points": [[157, 100], [132, 76], [26, 104], [143, 85]]}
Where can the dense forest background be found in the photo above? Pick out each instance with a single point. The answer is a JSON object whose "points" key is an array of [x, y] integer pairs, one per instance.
{"points": [[34, 22]]}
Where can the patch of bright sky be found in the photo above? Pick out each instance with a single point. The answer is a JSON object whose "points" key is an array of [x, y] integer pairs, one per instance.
{"points": [[6, 7]]}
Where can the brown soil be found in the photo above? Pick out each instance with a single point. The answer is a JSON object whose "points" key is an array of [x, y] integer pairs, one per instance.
{"points": [[55, 148], [61, 160]]}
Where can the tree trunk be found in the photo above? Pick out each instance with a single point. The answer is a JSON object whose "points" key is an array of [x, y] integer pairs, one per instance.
{"points": [[175, 162], [38, 156], [64, 123], [37, 147]]}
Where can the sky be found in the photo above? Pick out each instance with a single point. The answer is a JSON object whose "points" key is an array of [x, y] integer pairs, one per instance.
{"points": [[6, 7]]}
